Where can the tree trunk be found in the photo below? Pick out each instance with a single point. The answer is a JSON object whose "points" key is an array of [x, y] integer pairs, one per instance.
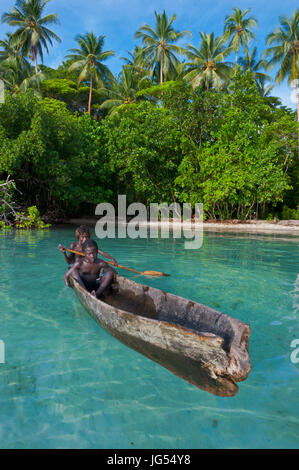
{"points": [[161, 70], [90, 93], [248, 212], [34, 58], [263, 210]]}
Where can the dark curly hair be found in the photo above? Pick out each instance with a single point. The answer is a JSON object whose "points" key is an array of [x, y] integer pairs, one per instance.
{"points": [[90, 244], [83, 229]]}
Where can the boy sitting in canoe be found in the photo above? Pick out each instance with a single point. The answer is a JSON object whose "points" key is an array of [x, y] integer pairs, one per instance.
{"points": [[82, 234], [87, 270]]}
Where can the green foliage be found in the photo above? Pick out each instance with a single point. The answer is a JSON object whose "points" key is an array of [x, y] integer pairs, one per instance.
{"points": [[53, 154], [245, 160], [68, 92], [290, 214], [157, 91], [16, 114], [144, 150], [62, 72], [30, 220], [4, 226], [59, 88], [233, 149]]}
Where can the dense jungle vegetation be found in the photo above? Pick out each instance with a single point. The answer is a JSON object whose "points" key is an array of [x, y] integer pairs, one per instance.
{"points": [[177, 123]]}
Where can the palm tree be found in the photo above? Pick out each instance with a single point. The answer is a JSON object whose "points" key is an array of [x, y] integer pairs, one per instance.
{"points": [[138, 62], [159, 45], [206, 66], [10, 47], [263, 89], [238, 29], [88, 59], [123, 90], [286, 51], [249, 62], [18, 74], [31, 31]]}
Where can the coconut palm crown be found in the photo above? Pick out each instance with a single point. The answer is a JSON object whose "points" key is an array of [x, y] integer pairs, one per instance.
{"points": [[286, 51], [18, 74], [88, 59], [137, 62], [159, 44], [250, 62], [32, 31], [238, 29], [207, 66], [123, 90], [10, 47]]}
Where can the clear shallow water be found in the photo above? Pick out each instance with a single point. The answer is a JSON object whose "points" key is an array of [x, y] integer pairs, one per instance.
{"points": [[67, 383]]}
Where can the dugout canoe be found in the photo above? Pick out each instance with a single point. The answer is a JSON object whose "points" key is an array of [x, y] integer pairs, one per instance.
{"points": [[203, 346]]}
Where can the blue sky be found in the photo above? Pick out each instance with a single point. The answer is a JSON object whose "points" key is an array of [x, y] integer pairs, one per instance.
{"points": [[118, 20]]}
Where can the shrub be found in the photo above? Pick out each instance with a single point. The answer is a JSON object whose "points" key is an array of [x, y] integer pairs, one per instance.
{"points": [[290, 214], [31, 220]]}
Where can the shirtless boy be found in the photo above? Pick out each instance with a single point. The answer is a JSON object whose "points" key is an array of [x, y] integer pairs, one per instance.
{"points": [[87, 270], [82, 234]]}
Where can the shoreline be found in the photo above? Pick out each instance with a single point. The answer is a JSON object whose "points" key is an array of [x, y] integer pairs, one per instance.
{"points": [[290, 227]]}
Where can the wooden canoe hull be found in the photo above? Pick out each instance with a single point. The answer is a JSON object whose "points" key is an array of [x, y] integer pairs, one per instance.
{"points": [[180, 335]]}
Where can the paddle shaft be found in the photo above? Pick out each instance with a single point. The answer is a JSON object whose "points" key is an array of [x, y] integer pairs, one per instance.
{"points": [[145, 273]]}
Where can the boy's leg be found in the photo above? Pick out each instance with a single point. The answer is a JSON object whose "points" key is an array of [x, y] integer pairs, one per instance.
{"points": [[76, 275]]}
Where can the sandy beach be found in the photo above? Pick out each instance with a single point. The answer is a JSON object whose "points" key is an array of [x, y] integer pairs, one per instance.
{"points": [[290, 227]]}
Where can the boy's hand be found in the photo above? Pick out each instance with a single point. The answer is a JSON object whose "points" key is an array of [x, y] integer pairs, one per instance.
{"points": [[61, 248], [93, 293], [66, 280], [114, 262]]}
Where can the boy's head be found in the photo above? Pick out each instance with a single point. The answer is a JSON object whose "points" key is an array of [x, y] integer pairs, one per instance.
{"points": [[82, 233], [90, 250]]}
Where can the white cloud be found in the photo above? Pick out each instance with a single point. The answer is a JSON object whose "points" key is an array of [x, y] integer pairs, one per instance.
{"points": [[286, 94]]}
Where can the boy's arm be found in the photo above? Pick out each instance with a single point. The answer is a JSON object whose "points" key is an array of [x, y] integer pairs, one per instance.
{"points": [[69, 259], [62, 249], [106, 280], [69, 272], [107, 267], [115, 263]]}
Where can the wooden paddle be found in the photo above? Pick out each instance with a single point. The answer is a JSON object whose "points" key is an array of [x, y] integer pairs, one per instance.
{"points": [[144, 273]]}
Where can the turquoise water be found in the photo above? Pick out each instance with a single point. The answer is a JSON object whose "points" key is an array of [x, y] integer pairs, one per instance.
{"points": [[66, 383]]}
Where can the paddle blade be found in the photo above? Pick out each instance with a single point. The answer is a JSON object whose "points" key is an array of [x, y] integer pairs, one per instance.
{"points": [[154, 273]]}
